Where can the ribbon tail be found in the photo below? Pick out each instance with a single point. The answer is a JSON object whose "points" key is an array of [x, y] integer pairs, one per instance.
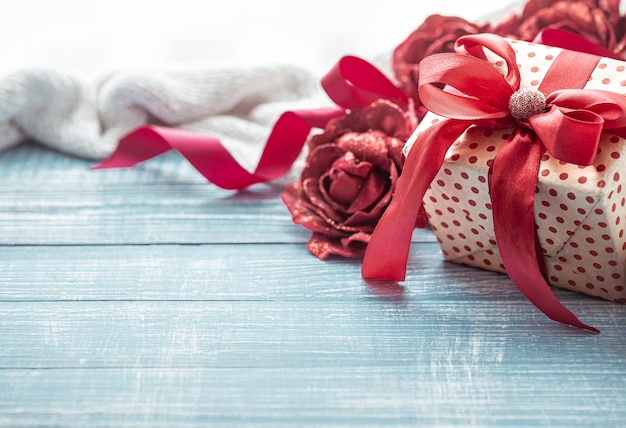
{"points": [[387, 251], [209, 156], [512, 185]]}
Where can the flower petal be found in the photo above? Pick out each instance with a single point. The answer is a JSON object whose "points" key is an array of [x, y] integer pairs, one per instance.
{"points": [[370, 192], [322, 246]]}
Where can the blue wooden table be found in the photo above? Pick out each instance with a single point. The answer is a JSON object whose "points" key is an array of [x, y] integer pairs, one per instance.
{"points": [[147, 297]]}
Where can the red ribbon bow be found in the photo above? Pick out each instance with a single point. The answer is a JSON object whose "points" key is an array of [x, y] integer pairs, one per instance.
{"points": [[568, 126]]}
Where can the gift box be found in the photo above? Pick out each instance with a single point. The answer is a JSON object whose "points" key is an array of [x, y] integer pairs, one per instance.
{"points": [[518, 167], [579, 210]]}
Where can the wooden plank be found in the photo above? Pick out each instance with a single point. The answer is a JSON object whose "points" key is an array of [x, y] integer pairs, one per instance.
{"points": [[50, 199], [251, 330], [436, 396], [328, 363], [274, 334], [224, 272], [141, 214], [260, 273], [32, 164], [47, 217]]}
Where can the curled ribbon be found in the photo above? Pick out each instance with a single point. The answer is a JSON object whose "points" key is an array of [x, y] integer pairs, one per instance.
{"points": [[351, 83], [567, 123]]}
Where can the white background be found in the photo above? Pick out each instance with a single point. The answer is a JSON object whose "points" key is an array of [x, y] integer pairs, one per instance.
{"points": [[85, 37]]}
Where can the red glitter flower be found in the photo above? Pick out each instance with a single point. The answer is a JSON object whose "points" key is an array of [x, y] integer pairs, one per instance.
{"points": [[349, 177], [598, 21], [437, 34]]}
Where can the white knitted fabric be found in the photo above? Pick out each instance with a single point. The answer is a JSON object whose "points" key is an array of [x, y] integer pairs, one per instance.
{"points": [[86, 118]]}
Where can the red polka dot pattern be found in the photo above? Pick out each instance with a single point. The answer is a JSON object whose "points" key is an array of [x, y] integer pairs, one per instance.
{"points": [[580, 211], [532, 65], [460, 209], [609, 75], [578, 222]]}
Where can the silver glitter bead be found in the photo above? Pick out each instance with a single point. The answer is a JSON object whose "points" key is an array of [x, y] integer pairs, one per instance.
{"points": [[526, 102]]}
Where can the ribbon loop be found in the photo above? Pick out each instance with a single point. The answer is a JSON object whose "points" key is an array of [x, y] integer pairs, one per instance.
{"points": [[576, 137], [475, 45], [571, 128], [354, 83], [609, 105], [470, 98]]}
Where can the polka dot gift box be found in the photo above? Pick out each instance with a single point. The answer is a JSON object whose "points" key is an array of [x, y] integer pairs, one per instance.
{"points": [[518, 167], [579, 213]]}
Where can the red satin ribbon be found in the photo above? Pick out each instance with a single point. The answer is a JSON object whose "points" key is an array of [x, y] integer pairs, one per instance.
{"points": [[566, 40], [476, 93], [212, 160], [352, 83]]}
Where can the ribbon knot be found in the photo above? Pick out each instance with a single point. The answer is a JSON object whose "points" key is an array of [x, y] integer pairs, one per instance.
{"points": [[466, 89]]}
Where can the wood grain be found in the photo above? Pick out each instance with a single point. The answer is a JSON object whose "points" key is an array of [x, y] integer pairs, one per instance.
{"points": [[162, 202], [147, 297]]}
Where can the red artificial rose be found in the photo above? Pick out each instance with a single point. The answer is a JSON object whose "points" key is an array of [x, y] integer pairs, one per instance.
{"points": [[349, 177], [437, 34], [598, 21]]}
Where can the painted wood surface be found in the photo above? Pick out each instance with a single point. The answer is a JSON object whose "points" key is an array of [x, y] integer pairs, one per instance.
{"points": [[147, 297]]}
